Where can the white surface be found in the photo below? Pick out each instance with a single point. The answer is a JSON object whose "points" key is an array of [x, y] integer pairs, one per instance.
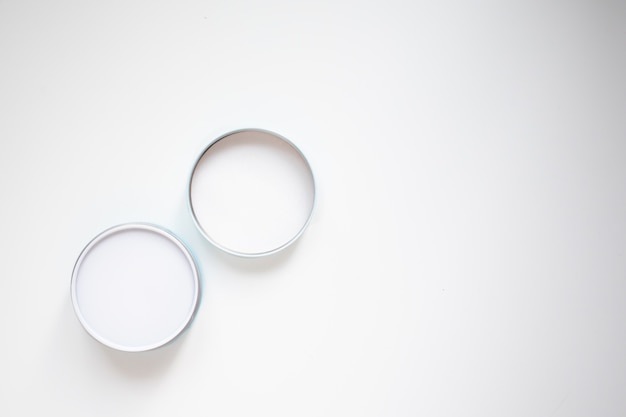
{"points": [[467, 253], [135, 288], [252, 193]]}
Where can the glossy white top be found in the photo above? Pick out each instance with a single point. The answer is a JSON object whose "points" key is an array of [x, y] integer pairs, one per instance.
{"points": [[135, 287]]}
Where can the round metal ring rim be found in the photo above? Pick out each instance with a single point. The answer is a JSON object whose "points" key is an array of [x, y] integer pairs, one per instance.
{"points": [[169, 236], [232, 251]]}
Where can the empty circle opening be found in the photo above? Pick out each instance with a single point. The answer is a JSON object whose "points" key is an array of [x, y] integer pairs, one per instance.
{"points": [[251, 192], [135, 287]]}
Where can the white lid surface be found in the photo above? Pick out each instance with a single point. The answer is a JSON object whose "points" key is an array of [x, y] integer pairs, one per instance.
{"points": [[135, 287]]}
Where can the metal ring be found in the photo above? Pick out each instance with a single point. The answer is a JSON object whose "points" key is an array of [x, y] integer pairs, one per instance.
{"points": [[125, 284], [238, 140]]}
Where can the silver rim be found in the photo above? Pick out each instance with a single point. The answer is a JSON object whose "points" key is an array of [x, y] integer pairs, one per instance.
{"points": [[232, 251]]}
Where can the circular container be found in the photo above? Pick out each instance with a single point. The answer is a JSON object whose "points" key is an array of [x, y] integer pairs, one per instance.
{"points": [[251, 192], [135, 287]]}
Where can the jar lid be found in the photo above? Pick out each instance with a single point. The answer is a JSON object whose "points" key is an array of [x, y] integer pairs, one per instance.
{"points": [[135, 287]]}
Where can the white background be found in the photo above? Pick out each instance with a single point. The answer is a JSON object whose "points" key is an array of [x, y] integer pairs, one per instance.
{"points": [[468, 252]]}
